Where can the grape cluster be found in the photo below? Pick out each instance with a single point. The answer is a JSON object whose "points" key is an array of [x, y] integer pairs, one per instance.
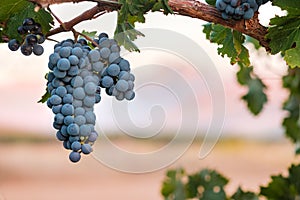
{"points": [[238, 9], [76, 74], [32, 35]]}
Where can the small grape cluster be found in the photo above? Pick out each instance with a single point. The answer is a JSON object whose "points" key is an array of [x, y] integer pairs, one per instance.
{"points": [[76, 74], [32, 35], [238, 9]]}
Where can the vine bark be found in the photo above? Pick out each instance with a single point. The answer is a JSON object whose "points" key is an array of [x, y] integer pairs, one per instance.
{"points": [[190, 8]]}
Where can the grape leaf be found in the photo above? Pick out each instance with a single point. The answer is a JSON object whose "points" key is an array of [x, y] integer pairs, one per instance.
{"points": [[292, 56], [292, 6], [284, 32], [255, 98], [9, 7], [91, 34], [45, 97], [133, 11], [207, 184], [241, 195], [27, 11], [284, 188], [230, 42], [211, 2], [173, 187]]}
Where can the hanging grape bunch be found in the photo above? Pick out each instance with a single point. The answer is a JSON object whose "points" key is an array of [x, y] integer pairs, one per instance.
{"points": [[238, 9], [77, 74], [31, 33]]}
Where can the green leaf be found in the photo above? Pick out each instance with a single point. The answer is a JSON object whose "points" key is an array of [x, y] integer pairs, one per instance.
{"points": [[230, 43], [211, 2], [255, 98], [10, 7], [241, 195], [45, 97], [133, 11], [16, 19], [173, 187], [253, 41], [292, 6], [284, 188], [207, 185], [278, 189], [91, 34], [292, 56], [283, 33]]}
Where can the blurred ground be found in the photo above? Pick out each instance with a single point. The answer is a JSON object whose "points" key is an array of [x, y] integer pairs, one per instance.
{"points": [[39, 169]]}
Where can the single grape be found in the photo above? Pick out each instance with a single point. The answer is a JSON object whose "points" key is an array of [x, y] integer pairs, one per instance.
{"points": [[98, 66], [59, 118], [113, 70], [234, 3], [73, 60], [13, 45], [221, 5], [90, 88], [122, 85], [84, 130], [38, 49], [89, 101], [86, 149], [28, 21], [21, 30], [102, 35], [129, 95], [104, 52], [124, 65], [55, 100], [248, 14], [79, 111], [107, 81], [94, 55], [77, 51], [58, 73], [79, 120], [61, 91], [90, 117], [65, 52], [60, 137], [229, 10], [76, 146], [31, 39], [63, 64], [79, 93], [74, 156], [93, 136], [68, 120], [73, 129], [82, 41], [67, 109], [26, 49]]}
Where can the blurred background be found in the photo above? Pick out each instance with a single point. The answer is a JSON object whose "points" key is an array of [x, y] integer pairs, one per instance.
{"points": [[247, 149]]}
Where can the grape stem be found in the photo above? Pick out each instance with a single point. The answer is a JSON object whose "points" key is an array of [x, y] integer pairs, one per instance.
{"points": [[190, 8]]}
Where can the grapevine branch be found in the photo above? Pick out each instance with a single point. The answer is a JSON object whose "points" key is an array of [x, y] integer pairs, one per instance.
{"points": [[190, 8]]}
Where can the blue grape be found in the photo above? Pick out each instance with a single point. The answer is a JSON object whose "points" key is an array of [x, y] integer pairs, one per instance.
{"points": [[93, 136], [79, 120], [59, 118], [129, 95], [74, 139], [105, 52], [38, 49], [74, 156], [58, 73], [114, 57], [55, 100], [56, 109], [115, 48], [65, 52], [97, 98], [84, 130], [90, 88], [229, 10], [13, 45], [60, 137], [89, 101], [73, 129], [76, 146], [98, 66], [248, 14], [122, 86], [73, 60], [86, 148], [90, 117], [79, 111], [124, 65], [73, 71], [113, 70], [61, 91], [67, 109], [68, 98], [68, 120], [63, 64], [94, 55], [78, 93], [107, 81], [77, 51], [77, 103], [221, 5]]}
